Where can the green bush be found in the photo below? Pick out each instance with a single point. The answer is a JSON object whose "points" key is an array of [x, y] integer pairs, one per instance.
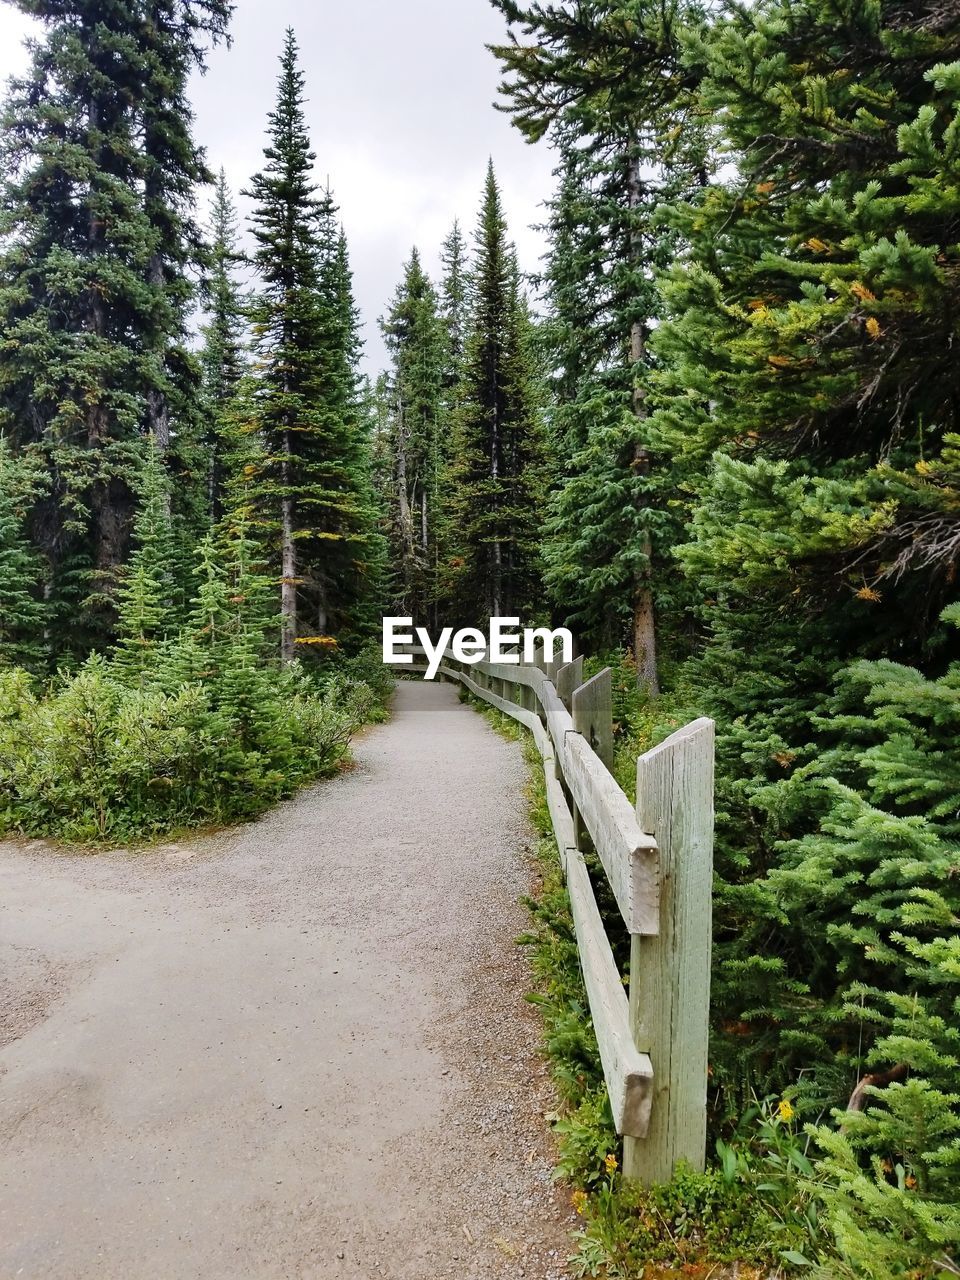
{"points": [[93, 759]]}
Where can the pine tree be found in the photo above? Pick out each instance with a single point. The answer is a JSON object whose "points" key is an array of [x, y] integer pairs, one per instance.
{"points": [[453, 307], [147, 596], [172, 38], [316, 500], [870, 907], [808, 343], [345, 553], [610, 504], [802, 372], [222, 356], [100, 170], [415, 339], [609, 84], [74, 323], [498, 468]]}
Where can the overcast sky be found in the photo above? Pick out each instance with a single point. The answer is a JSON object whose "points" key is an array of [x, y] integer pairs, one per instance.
{"points": [[401, 116]]}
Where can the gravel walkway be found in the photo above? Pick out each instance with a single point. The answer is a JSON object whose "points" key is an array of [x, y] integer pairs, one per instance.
{"points": [[297, 1049]]}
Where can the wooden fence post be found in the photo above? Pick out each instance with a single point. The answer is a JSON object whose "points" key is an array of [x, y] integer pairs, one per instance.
{"points": [[569, 679], [550, 666], [591, 707], [670, 973]]}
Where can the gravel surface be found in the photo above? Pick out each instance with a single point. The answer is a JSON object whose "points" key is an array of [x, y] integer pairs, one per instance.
{"points": [[297, 1049]]}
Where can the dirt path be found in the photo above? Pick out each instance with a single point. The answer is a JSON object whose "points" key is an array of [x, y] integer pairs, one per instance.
{"points": [[300, 1049]]}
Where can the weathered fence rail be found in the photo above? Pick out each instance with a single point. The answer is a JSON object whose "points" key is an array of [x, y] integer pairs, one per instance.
{"points": [[658, 859]]}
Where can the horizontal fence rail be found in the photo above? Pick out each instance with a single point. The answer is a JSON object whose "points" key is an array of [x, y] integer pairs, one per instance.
{"points": [[657, 858]]}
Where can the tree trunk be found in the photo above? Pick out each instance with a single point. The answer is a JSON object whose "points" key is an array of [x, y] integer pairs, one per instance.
{"points": [[644, 612], [158, 420]]}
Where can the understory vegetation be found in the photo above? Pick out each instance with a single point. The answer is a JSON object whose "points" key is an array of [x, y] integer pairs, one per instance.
{"points": [[93, 759], [785, 1189], [170, 729]]}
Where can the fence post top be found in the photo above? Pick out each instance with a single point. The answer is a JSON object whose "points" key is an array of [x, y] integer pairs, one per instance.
{"points": [[692, 730]]}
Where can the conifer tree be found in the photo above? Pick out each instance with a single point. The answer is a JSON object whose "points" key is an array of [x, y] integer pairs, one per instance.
{"points": [[415, 339], [172, 39], [609, 85], [345, 554], [498, 469], [316, 502], [453, 307], [870, 904], [820, 321], [802, 386], [222, 356], [99, 172], [147, 596]]}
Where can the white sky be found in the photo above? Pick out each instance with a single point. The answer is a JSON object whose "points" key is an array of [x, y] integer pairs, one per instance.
{"points": [[400, 110]]}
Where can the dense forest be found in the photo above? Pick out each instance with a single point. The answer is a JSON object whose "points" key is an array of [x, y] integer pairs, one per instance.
{"points": [[717, 436]]}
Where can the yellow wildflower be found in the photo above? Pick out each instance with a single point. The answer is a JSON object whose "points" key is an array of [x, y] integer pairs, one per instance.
{"points": [[579, 1201], [610, 1162], [785, 1111]]}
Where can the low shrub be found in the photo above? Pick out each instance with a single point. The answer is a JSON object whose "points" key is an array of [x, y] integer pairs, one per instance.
{"points": [[96, 758]]}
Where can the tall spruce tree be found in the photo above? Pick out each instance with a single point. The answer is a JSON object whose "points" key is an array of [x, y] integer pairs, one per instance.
{"points": [[498, 469], [222, 356], [415, 339], [148, 613], [172, 36], [608, 84], [99, 171], [315, 496], [346, 551], [454, 283], [803, 372]]}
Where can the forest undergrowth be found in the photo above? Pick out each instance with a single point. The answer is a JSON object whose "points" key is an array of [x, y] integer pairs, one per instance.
{"points": [[792, 1185]]}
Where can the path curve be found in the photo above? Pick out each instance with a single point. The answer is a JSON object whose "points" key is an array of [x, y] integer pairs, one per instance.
{"points": [[297, 1049]]}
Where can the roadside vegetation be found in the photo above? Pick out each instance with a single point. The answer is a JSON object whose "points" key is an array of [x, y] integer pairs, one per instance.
{"points": [[171, 729], [90, 757], [791, 1186]]}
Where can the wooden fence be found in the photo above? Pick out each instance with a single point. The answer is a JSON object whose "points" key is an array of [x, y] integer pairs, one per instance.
{"points": [[658, 860]]}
